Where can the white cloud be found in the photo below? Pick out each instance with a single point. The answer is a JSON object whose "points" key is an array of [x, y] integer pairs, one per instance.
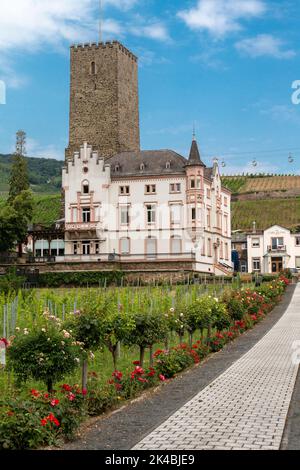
{"points": [[29, 24], [282, 113], [221, 17], [265, 45], [36, 150], [33, 25], [156, 31]]}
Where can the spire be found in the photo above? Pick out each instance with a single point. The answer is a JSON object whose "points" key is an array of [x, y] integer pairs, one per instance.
{"points": [[194, 158]]}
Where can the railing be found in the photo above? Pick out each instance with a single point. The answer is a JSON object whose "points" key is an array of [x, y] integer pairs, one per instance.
{"points": [[8, 259], [80, 226], [41, 259], [276, 249], [112, 257]]}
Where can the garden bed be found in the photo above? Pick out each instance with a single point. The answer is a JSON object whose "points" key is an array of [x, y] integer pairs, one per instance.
{"points": [[209, 322]]}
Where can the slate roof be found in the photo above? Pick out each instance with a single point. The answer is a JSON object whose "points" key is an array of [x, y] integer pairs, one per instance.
{"points": [[147, 162], [194, 158], [150, 163]]}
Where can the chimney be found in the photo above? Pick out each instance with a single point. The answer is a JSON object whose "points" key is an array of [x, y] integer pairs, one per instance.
{"points": [[254, 227]]}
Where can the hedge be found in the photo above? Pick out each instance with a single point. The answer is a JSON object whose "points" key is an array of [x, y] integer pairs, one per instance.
{"points": [[79, 279]]}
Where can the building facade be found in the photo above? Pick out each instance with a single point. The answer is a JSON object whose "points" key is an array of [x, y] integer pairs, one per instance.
{"points": [[147, 205], [121, 203], [273, 250]]}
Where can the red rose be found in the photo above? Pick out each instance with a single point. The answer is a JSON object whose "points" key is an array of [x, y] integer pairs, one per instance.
{"points": [[84, 392], [4, 341], [71, 396], [67, 387], [54, 402], [136, 363], [162, 378]]}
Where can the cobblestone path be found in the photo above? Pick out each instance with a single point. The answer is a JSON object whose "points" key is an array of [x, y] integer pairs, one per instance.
{"points": [[245, 407]]}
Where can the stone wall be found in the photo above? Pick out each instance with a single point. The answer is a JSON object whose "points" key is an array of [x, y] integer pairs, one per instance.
{"points": [[133, 268], [104, 106]]}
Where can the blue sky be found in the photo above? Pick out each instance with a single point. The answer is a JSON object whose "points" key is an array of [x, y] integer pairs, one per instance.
{"points": [[228, 65]]}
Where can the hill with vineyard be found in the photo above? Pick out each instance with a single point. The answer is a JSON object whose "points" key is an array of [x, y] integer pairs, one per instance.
{"points": [[262, 184], [265, 199]]}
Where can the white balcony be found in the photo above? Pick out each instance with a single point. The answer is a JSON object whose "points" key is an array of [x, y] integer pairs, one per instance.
{"points": [[81, 226]]}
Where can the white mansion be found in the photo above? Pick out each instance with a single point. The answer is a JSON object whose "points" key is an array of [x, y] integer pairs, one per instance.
{"points": [[147, 206], [153, 210]]}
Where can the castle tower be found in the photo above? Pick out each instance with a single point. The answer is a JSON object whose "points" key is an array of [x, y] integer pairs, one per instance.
{"points": [[104, 107]]}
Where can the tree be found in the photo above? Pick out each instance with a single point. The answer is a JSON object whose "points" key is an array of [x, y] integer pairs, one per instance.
{"points": [[44, 353], [14, 219], [19, 180], [86, 327], [115, 327], [8, 224], [150, 328]]}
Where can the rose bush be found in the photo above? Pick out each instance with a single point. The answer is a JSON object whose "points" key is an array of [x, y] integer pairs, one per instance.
{"points": [[45, 353]]}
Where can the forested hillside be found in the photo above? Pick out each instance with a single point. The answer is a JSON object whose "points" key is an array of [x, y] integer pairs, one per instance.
{"points": [[44, 174]]}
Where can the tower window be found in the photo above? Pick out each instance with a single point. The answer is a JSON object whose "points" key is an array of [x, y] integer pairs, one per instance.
{"points": [[85, 187], [93, 68]]}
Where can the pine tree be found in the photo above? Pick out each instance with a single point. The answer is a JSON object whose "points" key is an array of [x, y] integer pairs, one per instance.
{"points": [[19, 180]]}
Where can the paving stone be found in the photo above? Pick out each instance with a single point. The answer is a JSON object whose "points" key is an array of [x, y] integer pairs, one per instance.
{"points": [[253, 394]]}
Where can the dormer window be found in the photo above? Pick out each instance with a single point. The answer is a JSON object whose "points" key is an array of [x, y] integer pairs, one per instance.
{"points": [[142, 166], [93, 68], [85, 187], [117, 168], [168, 165]]}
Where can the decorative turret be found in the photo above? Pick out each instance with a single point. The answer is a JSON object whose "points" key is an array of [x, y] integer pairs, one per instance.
{"points": [[194, 158]]}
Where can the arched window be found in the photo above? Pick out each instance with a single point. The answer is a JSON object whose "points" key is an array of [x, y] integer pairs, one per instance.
{"points": [[176, 246], [142, 166], [168, 165], [85, 187], [93, 68]]}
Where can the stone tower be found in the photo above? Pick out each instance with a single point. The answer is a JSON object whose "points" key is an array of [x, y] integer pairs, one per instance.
{"points": [[104, 103]]}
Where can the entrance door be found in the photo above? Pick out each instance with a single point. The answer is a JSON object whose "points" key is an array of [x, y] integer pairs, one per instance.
{"points": [[277, 265]]}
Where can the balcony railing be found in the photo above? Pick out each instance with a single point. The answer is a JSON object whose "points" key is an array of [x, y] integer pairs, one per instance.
{"points": [[81, 226], [113, 257], [277, 249]]}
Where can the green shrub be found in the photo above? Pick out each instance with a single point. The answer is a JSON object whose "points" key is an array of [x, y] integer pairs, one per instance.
{"points": [[169, 363], [150, 328], [41, 420], [43, 353], [80, 279], [11, 282]]}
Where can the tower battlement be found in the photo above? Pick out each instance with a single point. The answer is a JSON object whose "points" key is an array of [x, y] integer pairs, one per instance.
{"points": [[104, 103], [103, 45]]}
